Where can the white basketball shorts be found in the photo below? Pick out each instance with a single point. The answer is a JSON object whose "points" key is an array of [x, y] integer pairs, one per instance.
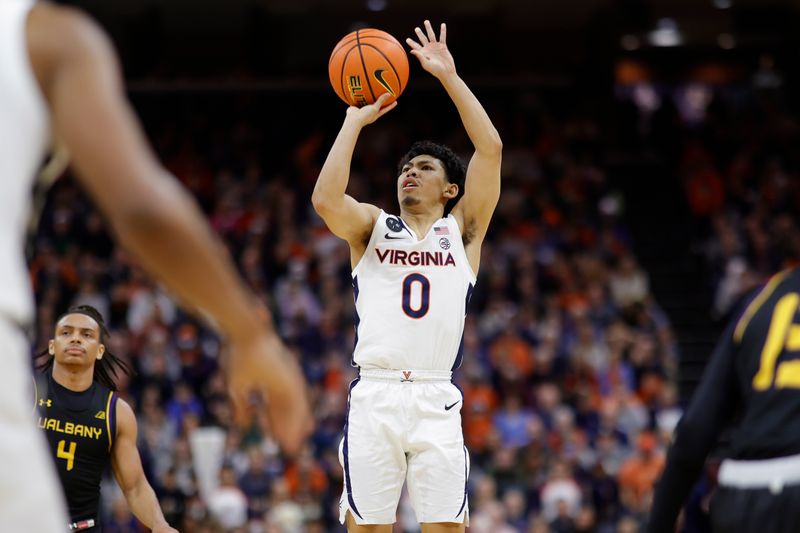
{"points": [[404, 426], [30, 493]]}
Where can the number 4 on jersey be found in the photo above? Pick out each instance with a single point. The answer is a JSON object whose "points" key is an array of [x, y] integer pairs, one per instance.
{"points": [[68, 455]]}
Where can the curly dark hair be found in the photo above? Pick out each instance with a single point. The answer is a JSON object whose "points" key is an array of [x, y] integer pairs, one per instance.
{"points": [[454, 168], [106, 369]]}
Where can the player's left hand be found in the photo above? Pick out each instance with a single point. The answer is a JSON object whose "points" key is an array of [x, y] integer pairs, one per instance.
{"points": [[432, 53]]}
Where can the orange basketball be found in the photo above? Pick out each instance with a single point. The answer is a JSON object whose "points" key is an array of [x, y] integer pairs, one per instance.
{"points": [[366, 64]]}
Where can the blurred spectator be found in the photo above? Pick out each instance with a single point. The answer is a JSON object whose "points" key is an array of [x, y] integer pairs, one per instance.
{"points": [[173, 500], [285, 514], [305, 476], [627, 525], [480, 402], [147, 304], [256, 483], [227, 503], [563, 522], [491, 518], [121, 519], [586, 521], [561, 496], [628, 283], [638, 474], [184, 402], [512, 423]]}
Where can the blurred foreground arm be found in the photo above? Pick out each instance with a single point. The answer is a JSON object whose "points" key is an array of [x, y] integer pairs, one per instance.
{"points": [[151, 215]]}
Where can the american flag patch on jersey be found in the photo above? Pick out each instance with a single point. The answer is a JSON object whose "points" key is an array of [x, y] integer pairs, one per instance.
{"points": [[442, 230]]}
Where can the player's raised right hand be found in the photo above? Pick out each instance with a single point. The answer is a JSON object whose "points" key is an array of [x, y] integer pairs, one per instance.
{"points": [[372, 112], [262, 364]]}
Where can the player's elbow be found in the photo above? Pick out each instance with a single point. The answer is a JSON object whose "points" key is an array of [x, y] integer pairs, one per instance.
{"points": [[322, 203], [496, 142], [493, 145], [150, 212], [318, 201]]}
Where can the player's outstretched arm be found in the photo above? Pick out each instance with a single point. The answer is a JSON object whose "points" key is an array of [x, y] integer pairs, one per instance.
{"points": [[152, 216], [713, 405], [482, 187], [344, 216], [127, 467]]}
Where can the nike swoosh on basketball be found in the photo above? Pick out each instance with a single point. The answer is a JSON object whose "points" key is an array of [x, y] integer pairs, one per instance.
{"points": [[379, 76], [448, 407], [387, 236]]}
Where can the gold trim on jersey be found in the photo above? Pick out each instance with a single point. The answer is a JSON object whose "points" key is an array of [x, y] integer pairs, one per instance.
{"points": [[757, 302], [108, 419], [35, 394]]}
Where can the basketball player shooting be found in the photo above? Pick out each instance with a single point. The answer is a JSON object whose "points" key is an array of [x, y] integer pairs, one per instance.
{"points": [[412, 276]]}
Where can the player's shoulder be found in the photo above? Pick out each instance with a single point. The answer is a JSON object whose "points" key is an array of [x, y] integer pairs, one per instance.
{"points": [[126, 418], [762, 299], [56, 31]]}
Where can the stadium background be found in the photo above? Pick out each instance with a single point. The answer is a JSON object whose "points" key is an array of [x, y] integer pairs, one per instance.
{"points": [[649, 180]]}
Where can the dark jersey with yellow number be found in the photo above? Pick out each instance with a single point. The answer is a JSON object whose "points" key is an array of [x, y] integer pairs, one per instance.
{"points": [[755, 372], [80, 428]]}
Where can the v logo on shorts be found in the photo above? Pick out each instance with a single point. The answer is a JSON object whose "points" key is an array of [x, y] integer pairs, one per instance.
{"points": [[406, 376], [448, 407]]}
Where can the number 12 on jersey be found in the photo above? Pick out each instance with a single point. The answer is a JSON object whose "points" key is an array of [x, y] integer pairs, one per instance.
{"points": [[783, 335]]}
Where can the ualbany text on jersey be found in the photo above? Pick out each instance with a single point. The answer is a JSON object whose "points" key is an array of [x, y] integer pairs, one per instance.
{"points": [[80, 430]]}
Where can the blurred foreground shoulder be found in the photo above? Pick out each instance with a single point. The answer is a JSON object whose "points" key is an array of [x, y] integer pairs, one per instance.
{"points": [[58, 35]]}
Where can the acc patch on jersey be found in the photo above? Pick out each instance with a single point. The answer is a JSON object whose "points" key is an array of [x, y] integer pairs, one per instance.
{"points": [[394, 224]]}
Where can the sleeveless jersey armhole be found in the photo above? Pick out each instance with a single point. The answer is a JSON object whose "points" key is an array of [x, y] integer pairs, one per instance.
{"points": [[370, 244], [111, 418], [453, 224]]}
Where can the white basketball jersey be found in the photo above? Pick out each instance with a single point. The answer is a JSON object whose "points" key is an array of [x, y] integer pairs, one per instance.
{"points": [[411, 295], [24, 134]]}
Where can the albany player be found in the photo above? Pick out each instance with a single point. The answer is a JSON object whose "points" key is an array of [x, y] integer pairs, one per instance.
{"points": [[412, 276], [753, 381], [87, 425]]}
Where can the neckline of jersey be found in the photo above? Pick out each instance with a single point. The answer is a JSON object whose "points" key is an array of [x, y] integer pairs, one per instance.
{"points": [[414, 233]]}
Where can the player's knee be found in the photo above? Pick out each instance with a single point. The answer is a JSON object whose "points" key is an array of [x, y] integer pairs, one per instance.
{"points": [[353, 527], [444, 527]]}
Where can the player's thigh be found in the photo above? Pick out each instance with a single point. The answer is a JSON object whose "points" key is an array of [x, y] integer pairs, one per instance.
{"points": [[353, 527], [372, 455], [438, 467]]}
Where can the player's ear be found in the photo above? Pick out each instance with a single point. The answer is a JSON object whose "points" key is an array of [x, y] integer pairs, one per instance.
{"points": [[451, 190], [51, 347], [100, 351]]}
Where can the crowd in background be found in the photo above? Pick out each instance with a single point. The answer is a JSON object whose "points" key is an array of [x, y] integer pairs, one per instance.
{"points": [[569, 362], [742, 184]]}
